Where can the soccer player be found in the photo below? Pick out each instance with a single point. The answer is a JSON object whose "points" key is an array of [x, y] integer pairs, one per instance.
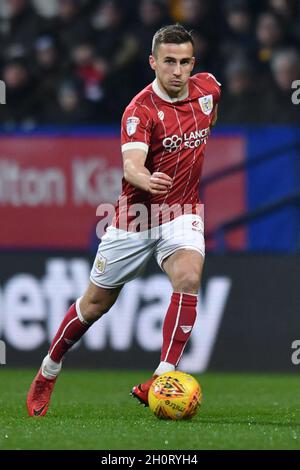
{"points": [[164, 134]]}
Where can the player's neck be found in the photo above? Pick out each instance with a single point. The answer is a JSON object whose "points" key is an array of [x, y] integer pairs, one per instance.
{"points": [[162, 93]]}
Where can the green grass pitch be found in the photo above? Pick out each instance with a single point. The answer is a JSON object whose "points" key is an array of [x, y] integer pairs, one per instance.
{"points": [[93, 410]]}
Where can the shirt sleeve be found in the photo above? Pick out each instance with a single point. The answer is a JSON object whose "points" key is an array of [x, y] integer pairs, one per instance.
{"points": [[214, 85], [136, 128]]}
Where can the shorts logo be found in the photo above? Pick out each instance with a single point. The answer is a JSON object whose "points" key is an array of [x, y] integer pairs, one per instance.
{"points": [[195, 225], [161, 115], [100, 263], [172, 143], [206, 104], [131, 125]]}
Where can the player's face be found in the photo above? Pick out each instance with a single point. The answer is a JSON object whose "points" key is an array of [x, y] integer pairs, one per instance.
{"points": [[173, 64]]}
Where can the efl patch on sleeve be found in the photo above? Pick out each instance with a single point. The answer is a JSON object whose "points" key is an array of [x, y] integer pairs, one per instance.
{"points": [[131, 125]]}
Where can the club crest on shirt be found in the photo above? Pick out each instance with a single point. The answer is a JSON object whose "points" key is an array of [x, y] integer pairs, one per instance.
{"points": [[206, 104], [131, 125]]}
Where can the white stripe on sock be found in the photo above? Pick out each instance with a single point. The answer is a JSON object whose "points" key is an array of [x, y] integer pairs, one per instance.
{"points": [[175, 327], [62, 335], [182, 351]]}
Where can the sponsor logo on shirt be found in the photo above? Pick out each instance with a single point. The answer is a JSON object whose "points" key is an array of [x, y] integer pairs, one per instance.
{"points": [[172, 143], [189, 140], [161, 115], [206, 104], [131, 125]]}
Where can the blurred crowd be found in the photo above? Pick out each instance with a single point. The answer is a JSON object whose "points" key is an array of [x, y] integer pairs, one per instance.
{"points": [[81, 61]]}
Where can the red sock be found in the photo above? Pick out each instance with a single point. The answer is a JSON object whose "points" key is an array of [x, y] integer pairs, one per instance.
{"points": [[69, 332], [178, 325]]}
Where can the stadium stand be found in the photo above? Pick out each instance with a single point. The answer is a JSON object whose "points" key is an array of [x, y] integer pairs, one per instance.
{"points": [[65, 62]]}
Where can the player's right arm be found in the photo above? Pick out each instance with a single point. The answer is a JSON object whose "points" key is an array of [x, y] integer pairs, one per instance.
{"points": [[137, 128], [140, 177]]}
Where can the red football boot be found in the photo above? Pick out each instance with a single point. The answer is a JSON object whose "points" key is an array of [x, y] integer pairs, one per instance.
{"points": [[141, 391], [39, 395]]}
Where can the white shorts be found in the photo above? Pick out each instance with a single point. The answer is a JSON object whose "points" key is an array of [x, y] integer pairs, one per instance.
{"points": [[122, 256]]}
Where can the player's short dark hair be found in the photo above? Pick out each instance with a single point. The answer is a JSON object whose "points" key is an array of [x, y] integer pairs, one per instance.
{"points": [[171, 34]]}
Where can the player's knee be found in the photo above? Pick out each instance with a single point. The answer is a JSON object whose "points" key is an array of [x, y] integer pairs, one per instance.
{"points": [[187, 281]]}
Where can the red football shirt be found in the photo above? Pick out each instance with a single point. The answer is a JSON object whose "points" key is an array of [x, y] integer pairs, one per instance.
{"points": [[174, 135]]}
